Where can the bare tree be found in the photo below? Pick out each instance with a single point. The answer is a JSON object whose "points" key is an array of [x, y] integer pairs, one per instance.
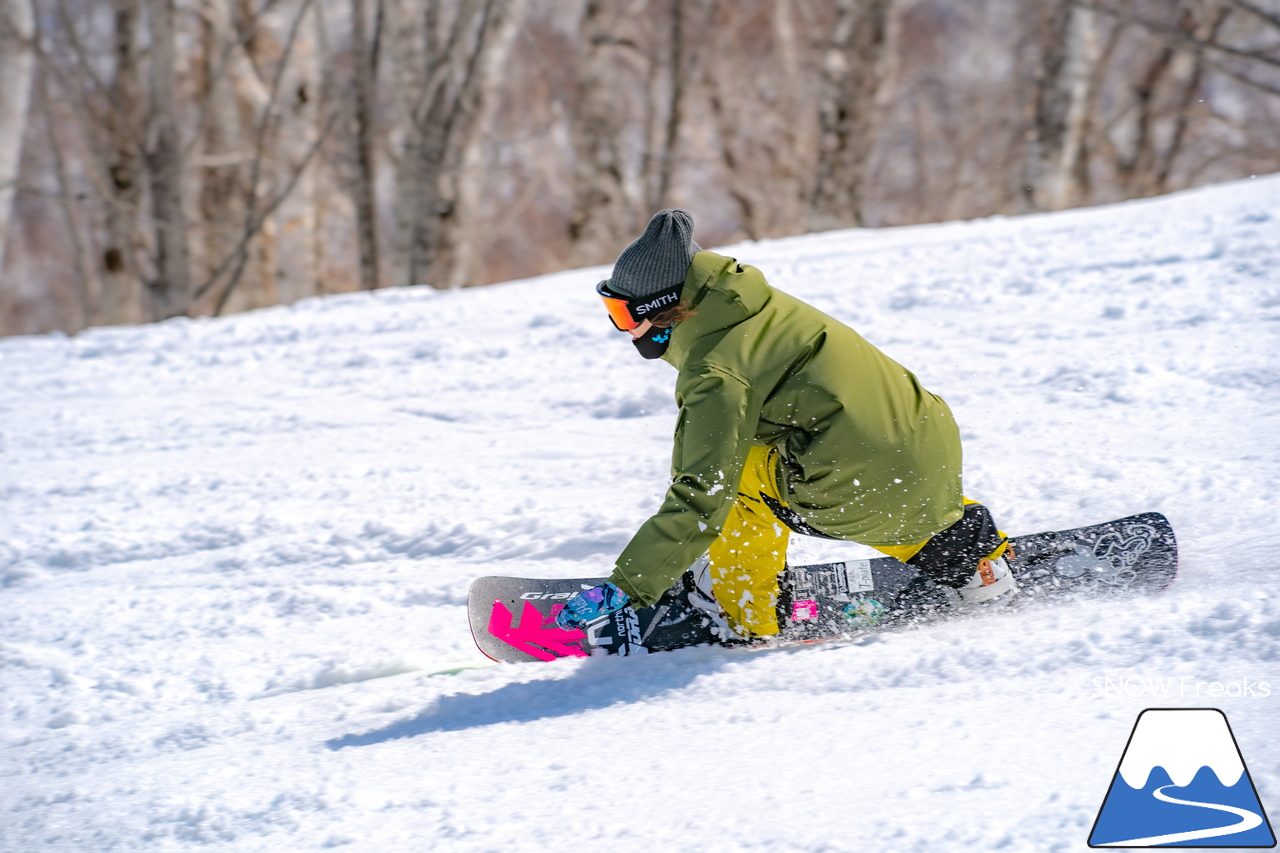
{"points": [[852, 74], [364, 105], [513, 137], [120, 169], [1158, 89], [112, 117], [1207, 29], [1069, 51], [760, 98], [80, 263], [264, 197], [1219, 55], [440, 65], [299, 221], [17, 64], [613, 69], [460, 258], [663, 156], [232, 95], [171, 288]]}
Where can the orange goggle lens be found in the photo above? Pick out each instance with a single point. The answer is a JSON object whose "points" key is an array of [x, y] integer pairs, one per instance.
{"points": [[617, 308]]}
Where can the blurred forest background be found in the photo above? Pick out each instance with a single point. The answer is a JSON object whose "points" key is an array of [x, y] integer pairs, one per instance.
{"points": [[190, 157]]}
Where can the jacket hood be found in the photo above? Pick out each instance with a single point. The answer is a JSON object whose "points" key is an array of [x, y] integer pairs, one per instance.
{"points": [[724, 294]]}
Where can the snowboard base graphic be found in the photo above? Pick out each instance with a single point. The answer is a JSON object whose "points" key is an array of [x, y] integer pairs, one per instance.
{"points": [[513, 619]]}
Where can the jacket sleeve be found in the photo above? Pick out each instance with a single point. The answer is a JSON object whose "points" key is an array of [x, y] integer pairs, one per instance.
{"points": [[716, 427]]}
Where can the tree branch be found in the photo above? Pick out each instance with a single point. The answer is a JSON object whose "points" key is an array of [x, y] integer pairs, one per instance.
{"points": [[1248, 81], [241, 251], [240, 255], [64, 15], [1179, 36], [224, 61], [1270, 18]]}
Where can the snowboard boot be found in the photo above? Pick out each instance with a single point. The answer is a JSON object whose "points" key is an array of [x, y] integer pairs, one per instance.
{"points": [[948, 559], [701, 596], [993, 580]]}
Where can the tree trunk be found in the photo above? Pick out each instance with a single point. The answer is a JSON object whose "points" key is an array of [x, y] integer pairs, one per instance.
{"points": [[666, 160], [364, 101], [1137, 171], [1207, 31], [605, 209], [302, 116], [171, 289], [466, 235], [232, 96], [412, 43], [17, 65], [759, 95], [1069, 50], [80, 264], [441, 96], [424, 61], [122, 289], [320, 176], [852, 73]]}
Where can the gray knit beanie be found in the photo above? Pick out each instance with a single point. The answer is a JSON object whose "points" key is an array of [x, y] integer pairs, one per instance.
{"points": [[659, 258]]}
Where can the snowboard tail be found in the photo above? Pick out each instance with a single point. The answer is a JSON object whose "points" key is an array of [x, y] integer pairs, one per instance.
{"points": [[513, 619]]}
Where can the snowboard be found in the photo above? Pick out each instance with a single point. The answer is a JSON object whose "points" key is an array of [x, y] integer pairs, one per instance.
{"points": [[513, 619]]}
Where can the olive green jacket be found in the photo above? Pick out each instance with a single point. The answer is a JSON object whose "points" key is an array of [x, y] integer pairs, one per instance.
{"points": [[867, 454]]}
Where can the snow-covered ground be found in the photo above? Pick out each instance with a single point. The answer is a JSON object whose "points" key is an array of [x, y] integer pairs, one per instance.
{"points": [[234, 558]]}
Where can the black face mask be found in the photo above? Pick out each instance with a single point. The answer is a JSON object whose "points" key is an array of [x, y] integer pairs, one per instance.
{"points": [[653, 343]]}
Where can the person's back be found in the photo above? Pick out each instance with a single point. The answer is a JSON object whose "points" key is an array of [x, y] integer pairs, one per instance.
{"points": [[870, 455]]}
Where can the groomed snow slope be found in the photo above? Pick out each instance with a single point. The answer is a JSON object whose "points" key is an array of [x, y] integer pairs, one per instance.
{"points": [[234, 557]]}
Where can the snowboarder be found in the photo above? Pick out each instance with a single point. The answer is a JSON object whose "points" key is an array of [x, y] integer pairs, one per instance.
{"points": [[789, 421]]}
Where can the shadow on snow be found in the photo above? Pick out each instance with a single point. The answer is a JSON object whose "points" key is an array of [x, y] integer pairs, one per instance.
{"points": [[595, 684]]}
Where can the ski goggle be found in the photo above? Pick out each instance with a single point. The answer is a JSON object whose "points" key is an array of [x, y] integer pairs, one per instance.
{"points": [[626, 313]]}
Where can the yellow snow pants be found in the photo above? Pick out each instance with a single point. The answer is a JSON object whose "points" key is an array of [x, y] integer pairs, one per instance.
{"points": [[751, 551]]}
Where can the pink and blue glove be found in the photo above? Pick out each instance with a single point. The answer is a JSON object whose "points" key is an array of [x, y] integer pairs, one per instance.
{"points": [[590, 605]]}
